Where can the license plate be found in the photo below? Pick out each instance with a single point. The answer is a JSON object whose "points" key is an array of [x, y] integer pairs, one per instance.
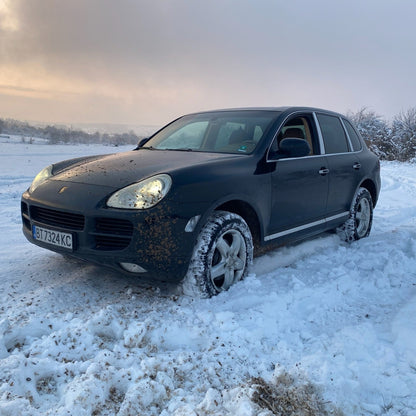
{"points": [[56, 238]]}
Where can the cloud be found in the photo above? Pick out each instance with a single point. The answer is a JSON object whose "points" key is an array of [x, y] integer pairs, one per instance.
{"points": [[8, 21], [157, 59]]}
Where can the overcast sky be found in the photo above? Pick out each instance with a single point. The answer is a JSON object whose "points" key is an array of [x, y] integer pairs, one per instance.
{"points": [[148, 61]]}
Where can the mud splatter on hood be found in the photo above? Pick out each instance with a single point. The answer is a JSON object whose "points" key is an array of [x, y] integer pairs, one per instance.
{"points": [[121, 169]]}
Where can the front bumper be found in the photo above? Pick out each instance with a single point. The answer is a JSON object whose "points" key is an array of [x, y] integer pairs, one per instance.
{"points": [[154, 239]]}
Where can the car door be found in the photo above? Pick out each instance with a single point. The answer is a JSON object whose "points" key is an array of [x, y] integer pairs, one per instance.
{"points": [[343, 164], [299, 186]]}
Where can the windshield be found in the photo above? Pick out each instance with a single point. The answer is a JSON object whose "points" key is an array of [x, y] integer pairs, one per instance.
{"points": [[219, 132]]}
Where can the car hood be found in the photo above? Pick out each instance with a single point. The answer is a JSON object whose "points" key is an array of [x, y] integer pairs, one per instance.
{"points": [[121, 169]]}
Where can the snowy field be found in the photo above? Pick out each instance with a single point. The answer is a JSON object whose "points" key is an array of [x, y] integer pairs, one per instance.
{"points": [[76, 339]]}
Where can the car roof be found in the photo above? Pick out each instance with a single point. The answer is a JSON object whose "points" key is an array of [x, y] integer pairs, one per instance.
{"points": [[287, 109]]}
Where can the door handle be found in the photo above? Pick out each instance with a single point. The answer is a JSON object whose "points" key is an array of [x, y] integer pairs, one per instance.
{"points": [[356, 165], [323, 171]]}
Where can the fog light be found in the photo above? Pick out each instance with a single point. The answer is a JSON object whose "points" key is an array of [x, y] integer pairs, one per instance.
{"points": [[190, 226], [132, 268]]}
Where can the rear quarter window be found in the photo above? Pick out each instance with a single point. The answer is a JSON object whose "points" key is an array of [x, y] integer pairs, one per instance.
{"points": [[355, 140]]}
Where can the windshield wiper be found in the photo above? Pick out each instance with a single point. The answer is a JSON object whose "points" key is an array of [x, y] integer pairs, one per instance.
{"points": [[177, 149], [172, 150], [145, 147]]}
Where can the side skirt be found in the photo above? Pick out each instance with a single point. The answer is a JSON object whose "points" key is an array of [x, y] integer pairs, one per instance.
{"points": [[306, 226]]}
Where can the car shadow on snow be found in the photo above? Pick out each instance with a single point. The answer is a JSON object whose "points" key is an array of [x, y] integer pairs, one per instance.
{"points": [[88, 273]]}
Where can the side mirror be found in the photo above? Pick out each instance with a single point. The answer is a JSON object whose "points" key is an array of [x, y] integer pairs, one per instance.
{"points": [[293, 147], [142, 142]]}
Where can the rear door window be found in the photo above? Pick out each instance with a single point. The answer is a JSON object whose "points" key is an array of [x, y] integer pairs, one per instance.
{"points": [[333, 134]]}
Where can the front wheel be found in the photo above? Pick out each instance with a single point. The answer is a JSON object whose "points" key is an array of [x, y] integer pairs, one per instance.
{"points": [[360, 221], [222, 255]]}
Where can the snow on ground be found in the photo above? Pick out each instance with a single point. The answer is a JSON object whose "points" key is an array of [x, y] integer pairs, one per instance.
{"points": [[16, 138], [76, 339]]}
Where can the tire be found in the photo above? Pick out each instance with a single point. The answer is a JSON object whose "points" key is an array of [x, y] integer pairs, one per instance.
{"points": [[360, 221], [222, 255]]}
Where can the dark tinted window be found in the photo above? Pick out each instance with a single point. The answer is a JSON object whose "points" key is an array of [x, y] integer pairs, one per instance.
{"points": [[355, 140], [333, 134]]}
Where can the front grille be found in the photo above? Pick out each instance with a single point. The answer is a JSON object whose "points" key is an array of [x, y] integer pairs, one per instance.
{"points": [[113, 226], [112, 233], [24, 208], [111, 243], [57, 218]]}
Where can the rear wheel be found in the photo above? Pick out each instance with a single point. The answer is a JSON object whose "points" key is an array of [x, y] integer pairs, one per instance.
{"points": [[360, 221], [222, 255]]}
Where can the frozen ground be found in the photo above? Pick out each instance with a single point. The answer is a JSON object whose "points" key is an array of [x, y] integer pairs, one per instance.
{"points": [[76, 339]]}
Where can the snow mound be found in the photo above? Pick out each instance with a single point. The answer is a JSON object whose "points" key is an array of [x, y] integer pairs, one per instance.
{"points": [[77, 339]]}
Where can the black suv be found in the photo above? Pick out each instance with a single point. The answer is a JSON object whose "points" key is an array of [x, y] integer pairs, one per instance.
{"points": [[202, 194]]}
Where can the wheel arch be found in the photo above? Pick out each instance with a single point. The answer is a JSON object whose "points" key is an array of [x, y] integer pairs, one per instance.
{"points": [[371, 187], [248, 213]]}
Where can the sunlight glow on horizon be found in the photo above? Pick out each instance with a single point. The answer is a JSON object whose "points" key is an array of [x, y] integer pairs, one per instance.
{"points": [[142, 62]]}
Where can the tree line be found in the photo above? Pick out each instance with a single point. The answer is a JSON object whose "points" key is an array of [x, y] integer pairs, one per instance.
{"points": [[394, 140], [65, 135], [389, 140]]}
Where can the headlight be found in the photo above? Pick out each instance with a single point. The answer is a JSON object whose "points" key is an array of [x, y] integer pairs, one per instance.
{"points": [[41, 177], [141, 195]]}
